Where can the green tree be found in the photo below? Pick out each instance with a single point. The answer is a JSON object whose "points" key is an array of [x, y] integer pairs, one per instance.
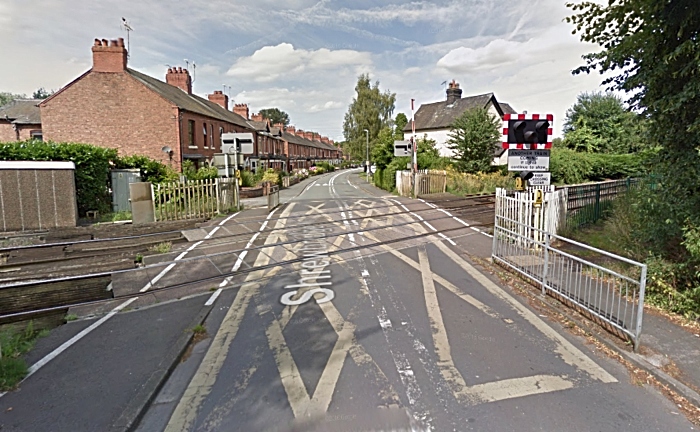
{"points": [[41, 93], [651, 50], [600, 123], [371, 109], [6, 97], [275, 115], [399, 123], [473, 137], [383, 148]]}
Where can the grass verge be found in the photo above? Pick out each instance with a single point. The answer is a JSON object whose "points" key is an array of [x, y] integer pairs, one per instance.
{"points": [[13, 345]]}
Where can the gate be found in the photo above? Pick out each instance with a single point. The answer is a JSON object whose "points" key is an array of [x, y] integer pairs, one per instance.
{"points": [[525, 240], [194, 199], [427, 182]]}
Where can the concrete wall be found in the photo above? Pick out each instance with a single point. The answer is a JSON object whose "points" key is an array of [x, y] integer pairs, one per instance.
{"points": [[37, 195]]}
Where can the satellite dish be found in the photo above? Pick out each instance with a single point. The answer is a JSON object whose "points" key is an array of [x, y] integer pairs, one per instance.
{"points": [[167, 149]]}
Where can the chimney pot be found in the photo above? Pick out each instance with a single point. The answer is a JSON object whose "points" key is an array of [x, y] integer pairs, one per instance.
{"points": [[180, 79], [219, 98], [242, 110], [454, 93], [108, 56]]}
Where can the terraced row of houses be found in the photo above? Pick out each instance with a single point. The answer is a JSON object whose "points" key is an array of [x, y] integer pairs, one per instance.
{"points": [[112, 105]]}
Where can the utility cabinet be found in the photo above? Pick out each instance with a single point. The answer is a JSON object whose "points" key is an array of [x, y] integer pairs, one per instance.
{"points": [[121, 178]]}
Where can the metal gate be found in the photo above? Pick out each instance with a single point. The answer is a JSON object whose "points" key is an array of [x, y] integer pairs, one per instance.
{"points": [[525, 240], [120, 188]]}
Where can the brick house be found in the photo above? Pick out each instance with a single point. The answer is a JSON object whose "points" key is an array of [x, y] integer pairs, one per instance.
{"points": [[114, 106], [20, 120], [434, 120]]}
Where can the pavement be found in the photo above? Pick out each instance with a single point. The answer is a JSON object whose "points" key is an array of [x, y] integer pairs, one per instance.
{"points": [[344, 309]]}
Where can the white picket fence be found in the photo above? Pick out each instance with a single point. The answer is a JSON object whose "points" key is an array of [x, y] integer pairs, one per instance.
{"points": [[194, 199], [518, 211], [427, 182]]}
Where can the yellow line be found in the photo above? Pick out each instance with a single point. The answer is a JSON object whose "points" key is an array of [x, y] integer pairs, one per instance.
{"points": [[568, 352], [203, 381]]}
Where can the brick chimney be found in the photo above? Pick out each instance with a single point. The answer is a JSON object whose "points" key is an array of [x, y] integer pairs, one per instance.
{"points": [[109, 56], [309, 136], [218, 97], [291, 129], [179, 78], [299, 133], [257, 117], [454, 93], [242, 110], [325, 140], [279, 125]]}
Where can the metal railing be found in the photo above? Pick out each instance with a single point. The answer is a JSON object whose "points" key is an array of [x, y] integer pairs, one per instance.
{"points": [[588, 203], [613, 297]]}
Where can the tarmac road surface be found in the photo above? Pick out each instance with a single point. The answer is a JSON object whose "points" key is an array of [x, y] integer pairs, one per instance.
{"points": [[380, 322]]}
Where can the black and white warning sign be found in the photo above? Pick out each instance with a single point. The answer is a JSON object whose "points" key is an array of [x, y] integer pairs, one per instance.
{"points": [[528, 160]]}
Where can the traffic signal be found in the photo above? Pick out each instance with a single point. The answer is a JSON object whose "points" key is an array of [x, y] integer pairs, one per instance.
{"points": [[533, 131]]}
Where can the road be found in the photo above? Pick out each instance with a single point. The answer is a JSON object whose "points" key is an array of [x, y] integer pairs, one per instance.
{"points": [[360, 311]]}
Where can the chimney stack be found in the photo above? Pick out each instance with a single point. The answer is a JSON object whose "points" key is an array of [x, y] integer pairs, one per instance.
{"points": [[179, 78], [299, 133], [109, 56], [279, 125], [454, 93], [257, 117], [309, 136], [291, 129], [242, 110], [218, 97]]}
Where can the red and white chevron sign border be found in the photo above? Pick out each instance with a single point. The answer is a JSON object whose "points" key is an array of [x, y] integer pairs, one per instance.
{"points": [[527, 146]]}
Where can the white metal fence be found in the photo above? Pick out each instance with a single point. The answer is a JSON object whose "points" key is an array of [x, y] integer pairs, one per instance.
{"points": [[525, 240], [194, 199], [427, 182]]}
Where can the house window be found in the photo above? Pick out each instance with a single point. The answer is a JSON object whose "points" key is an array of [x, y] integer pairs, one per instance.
{"points": [[36, 135], [204, 134], [221, 132], [211, 136], [190, 133]]}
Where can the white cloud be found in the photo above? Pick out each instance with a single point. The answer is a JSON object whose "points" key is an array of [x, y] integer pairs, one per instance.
{"points": [[330, 105], [271, 62]]}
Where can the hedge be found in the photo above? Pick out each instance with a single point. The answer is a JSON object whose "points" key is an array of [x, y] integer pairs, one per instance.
{"points": [[571, 167], [92, 165]]}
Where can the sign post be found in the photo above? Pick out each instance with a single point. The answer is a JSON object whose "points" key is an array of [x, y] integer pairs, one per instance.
{"points": [[414, 150]]}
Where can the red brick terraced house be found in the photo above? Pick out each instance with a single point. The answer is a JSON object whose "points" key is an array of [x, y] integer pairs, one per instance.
{"points": [[114, 106], [20, 120]]}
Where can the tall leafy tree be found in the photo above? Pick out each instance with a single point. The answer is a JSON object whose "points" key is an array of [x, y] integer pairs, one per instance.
{"points": [[651, 49], [41, 93], [370, 109], [473, 137], [600, 123], [399, 123], [275, 115], [6, 97]]}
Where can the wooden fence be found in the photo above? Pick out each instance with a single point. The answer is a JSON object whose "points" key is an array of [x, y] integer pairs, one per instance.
{"points": [[427, 182], [194, 199]]}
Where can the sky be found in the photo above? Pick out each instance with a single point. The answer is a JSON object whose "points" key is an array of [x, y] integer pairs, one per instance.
{"points": [[304, 56]]}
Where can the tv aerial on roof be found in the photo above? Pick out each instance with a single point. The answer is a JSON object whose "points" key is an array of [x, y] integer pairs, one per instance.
{"points": [[129, 29]]}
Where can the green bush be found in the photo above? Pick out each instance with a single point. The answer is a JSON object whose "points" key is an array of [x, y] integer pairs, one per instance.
{"points": [[151, 170], [203, 173], [571, 167], [272, 176], [325, 166], [92, 166], [247, 179]]}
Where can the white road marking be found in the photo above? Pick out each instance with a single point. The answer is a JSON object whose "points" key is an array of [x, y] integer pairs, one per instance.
{"points": [[204, 379], [211, 233], [365, 273], [518, 387], [50, 356], [213, 297], [448, 239], [445, 211], [429, 226], [262, 227]]}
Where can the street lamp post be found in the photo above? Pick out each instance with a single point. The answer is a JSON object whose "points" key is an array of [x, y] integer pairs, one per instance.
{"points": [[367, 162]]}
